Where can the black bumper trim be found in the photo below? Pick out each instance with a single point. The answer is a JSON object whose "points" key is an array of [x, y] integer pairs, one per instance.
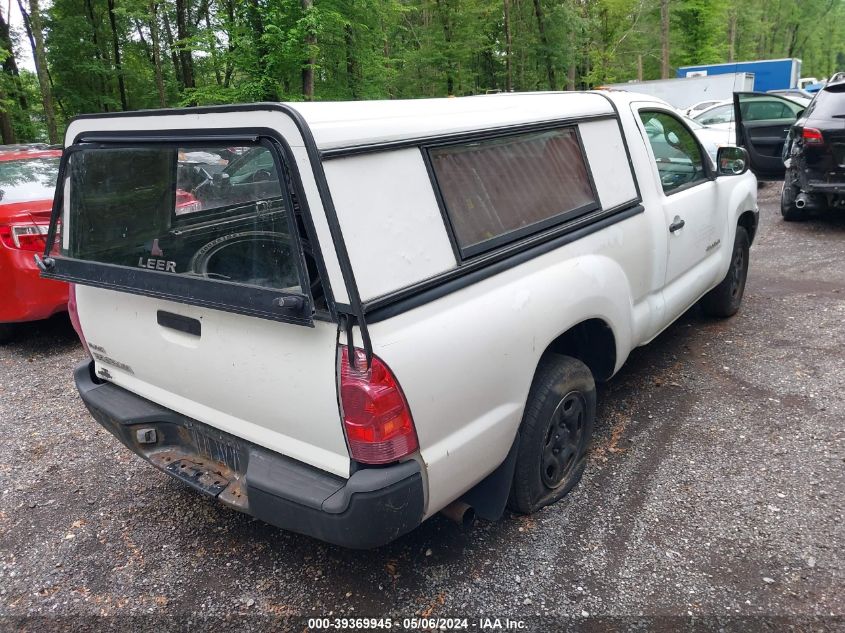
{"points": [[371, 508]]}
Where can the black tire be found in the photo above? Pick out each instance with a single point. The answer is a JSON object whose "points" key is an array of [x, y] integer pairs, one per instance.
{"points": [[788, 210], [724, 300], [555, 433], [7, 331]]}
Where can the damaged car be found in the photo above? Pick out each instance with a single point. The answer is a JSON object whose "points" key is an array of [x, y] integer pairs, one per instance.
{"points": [[805, 148]]}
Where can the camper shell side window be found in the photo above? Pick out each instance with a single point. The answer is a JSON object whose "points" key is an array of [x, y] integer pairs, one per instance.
{"points": [[501, 189]]}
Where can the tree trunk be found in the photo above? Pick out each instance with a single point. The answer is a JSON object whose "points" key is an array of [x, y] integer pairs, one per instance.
{"points": [[544, 41], [212, 42], [162, 101], [121, 84], [508, 47], [28, 25], [732, 34], [229, 5], [639, 67], [664, 39], [447, 36], [308, 68], [7, 132], [174, 56], [183, 35], [351, 62], [40, 58], [10, 65], [98, 54]]}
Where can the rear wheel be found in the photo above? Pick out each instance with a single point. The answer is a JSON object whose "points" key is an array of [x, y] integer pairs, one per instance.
{"points": [[555, 433], [724, 300], [788, 210]]}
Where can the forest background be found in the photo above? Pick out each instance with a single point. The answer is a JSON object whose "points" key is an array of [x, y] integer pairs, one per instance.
{"points": [[110, 55]]}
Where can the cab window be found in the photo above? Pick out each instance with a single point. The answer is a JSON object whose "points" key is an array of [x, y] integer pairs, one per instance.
{"points": [[768, 109], [678, 155]]}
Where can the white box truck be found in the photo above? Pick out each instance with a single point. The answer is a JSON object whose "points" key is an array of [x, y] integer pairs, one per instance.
{"points": [[686, 91]]}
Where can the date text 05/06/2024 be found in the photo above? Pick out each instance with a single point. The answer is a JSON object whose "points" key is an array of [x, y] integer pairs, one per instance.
{"points": [[417, 624]]}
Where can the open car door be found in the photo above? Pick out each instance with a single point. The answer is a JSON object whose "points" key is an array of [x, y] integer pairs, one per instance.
{"points": [[762, 124]]}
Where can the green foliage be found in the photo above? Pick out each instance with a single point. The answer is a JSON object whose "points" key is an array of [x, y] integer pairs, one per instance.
{"points": [[254, 50]]}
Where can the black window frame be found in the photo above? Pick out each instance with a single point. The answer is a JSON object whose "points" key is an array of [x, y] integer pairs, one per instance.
{"points": [[709, 170], [464, 254], [233, 297]]}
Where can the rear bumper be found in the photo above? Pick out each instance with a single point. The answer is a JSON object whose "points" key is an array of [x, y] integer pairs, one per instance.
{"points": [[835, 188], [371, 508], [27, 297]]}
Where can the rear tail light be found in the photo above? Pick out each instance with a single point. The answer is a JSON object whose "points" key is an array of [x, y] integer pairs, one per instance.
{"points": [[376, 417], [25, 237], [74, 316], [812, 136], [186, 202]]}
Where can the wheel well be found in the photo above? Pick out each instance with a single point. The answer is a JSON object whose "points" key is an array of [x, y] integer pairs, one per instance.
{"points": [[592, 342], [748, 221]]}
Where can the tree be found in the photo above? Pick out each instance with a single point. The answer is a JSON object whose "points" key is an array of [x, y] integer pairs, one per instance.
{"points": [[116, 50], [40, 59], [664, 39]]}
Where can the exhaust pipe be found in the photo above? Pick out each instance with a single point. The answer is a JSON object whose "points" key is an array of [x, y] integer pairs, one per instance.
{"points": [[460, 512], [804, 201]]}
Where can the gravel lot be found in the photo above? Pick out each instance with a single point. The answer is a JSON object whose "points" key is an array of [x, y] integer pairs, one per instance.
{"points": [[714, 496]]}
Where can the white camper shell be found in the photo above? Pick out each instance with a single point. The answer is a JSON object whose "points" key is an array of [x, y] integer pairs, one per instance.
{"points": [[344, 317]]}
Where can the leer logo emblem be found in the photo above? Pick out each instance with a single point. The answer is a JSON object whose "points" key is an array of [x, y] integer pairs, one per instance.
{"points": [[153, 263]]}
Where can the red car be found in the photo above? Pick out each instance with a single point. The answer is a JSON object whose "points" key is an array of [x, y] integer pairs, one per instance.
{"points": [[27, 183]]}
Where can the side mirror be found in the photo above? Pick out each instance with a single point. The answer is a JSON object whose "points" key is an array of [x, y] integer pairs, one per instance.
{"points": [[731, 161]]}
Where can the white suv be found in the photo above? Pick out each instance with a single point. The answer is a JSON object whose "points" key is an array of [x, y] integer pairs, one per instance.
{"points": [[344, 318]]}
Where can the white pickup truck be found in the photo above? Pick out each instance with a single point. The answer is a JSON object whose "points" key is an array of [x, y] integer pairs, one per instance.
{"points": [[343, 318]]}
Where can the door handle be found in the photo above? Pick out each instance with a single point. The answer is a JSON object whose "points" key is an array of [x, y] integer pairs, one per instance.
{"points": [[179, 322], [677, 224]]}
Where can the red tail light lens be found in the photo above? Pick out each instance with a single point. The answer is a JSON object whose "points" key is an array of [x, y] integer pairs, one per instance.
{"points": [[186, 202], [376, 417], [812, 136], [74, 316], [25, 237]]}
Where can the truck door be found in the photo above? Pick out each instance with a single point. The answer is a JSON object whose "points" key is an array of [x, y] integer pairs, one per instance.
{"points": [[763, 122], [689, 197]]}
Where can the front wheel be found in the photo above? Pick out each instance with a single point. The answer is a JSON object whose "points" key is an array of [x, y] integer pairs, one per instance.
{"points": [[555, 433], [724, 300]]}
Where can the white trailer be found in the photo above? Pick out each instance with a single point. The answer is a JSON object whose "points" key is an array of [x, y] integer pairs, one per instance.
{"points": [[684, 92]]}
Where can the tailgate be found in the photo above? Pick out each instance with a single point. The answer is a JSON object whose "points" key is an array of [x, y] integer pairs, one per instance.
{"points": [[199, 290]]}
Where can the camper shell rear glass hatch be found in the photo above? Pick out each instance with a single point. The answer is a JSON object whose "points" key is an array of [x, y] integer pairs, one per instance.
{"points": [[210, 222]]}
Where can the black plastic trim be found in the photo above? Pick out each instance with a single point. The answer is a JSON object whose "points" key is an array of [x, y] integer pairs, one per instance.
{"points": [[390, 305], [371, 508], [206, 293]]}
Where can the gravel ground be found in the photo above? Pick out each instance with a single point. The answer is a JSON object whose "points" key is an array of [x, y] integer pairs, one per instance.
{"points": [[713, 499]]}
